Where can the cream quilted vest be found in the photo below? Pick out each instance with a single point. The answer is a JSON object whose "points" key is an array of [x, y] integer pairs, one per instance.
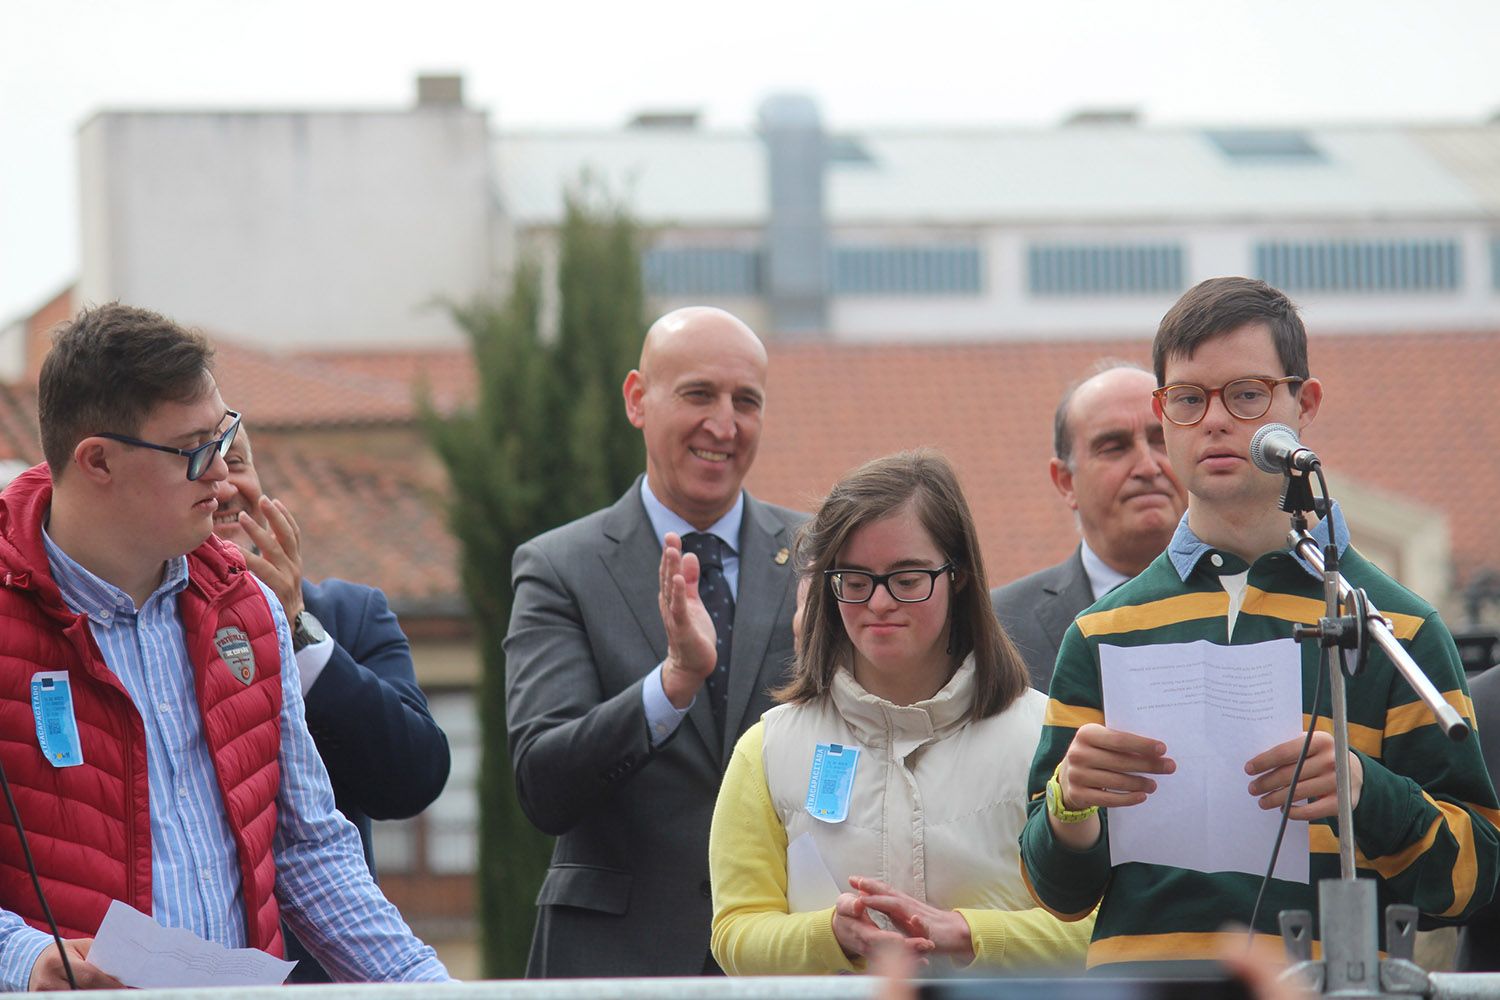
{"points": [[937, 803]]}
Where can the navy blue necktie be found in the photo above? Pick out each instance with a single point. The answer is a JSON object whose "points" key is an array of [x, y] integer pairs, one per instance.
{"points": [[713, 590]]}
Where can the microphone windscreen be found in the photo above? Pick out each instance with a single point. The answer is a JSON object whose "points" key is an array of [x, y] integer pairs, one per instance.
{"points": [[1262, 447]]}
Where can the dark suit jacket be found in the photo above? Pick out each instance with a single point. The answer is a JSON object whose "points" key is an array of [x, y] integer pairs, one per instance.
{"points": [[1036, 610], [627, 893], [1479, 946], [385, 755]]}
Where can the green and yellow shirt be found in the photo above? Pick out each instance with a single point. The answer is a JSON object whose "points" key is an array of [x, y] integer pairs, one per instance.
{"points": [[1425, 826]]}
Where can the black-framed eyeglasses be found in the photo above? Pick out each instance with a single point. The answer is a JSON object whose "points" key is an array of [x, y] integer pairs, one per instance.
{"points": [[199, 458], [909, 586], [1248, 398]]}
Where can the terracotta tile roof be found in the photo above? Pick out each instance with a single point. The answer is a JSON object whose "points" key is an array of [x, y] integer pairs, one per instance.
{"points": [[447, 372], [375, 518], [19, 437], [1416, 416], [987, 406], [279, 390], [39, 326], [1410, 414]]}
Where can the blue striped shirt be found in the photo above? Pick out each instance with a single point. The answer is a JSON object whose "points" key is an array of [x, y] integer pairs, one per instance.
{"points": [[325, 888]]}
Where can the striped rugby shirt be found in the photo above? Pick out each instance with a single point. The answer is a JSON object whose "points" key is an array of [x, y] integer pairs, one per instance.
{"points": [[1425, 827]]}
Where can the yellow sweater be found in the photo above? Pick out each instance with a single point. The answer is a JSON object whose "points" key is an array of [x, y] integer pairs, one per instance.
{"points": [[753, 934]]}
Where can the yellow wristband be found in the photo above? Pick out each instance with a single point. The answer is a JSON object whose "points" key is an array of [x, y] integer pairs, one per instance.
{"points": [[1055, 805]]}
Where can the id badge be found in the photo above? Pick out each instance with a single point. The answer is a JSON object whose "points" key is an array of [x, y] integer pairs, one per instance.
{"points": [[831, 781], [56, 728]]}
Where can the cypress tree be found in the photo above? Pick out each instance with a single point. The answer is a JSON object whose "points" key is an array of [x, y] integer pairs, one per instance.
{"points": [[546, 441]]}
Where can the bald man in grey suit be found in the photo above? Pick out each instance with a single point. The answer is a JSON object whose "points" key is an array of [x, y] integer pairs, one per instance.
{"points": [[1110, 467], [626, 689]]}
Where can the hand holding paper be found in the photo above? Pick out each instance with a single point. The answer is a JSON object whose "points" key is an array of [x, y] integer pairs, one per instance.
{"points": [[1274, 770], [141, 953], [48, 973], [1105, 767], [1218, 707]]}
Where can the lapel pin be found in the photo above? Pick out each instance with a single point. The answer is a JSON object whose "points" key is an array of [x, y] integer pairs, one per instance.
{"points": [[782, 555]]}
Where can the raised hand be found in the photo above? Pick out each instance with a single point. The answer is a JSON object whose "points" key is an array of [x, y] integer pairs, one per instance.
{"points": [[692, 650], [277, 558]]}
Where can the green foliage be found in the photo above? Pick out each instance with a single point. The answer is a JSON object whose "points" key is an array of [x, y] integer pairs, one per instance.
{"points": [[545, 442]]}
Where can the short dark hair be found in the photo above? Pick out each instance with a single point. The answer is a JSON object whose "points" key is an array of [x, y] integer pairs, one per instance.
{"points": [[1062, 429], [1219, 306], [875, 490], [108, 369]]}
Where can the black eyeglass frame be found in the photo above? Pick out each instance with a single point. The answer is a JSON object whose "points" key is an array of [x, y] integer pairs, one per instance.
{"points": [[1209, 394], [878, 580], [199, 458]]}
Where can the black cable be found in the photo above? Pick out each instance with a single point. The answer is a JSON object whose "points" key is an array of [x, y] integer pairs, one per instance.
{"points": [[36, 883], [1286, 807]]}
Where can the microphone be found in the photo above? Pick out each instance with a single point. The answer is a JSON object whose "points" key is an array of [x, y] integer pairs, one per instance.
{"points": [[1275, 449]]}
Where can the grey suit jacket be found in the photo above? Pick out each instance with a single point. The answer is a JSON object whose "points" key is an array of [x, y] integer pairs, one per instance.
{"points": [[1036, 610], [627, 893]]}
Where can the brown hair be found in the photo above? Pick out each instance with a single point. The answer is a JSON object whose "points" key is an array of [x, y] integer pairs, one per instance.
{"points": [[108, 369], [1219, 306], [876, 490]]}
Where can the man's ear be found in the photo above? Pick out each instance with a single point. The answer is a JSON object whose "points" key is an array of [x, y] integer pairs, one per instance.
{"points": [[1062, 479], [633, 390], [1309, 398], [91, 457]]}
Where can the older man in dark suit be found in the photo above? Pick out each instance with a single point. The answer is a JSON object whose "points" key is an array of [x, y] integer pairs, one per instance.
{"points": [[1110, 467], [643, 639]]}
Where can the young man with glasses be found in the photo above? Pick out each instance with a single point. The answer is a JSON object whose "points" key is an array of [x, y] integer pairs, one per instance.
{"points": [[1230, 357], [169, 766], [386, 756]]}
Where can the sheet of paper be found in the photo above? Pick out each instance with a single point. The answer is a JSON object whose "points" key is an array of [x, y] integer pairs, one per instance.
{"points": [[141, 953], [1214, 707], [809, 886]]}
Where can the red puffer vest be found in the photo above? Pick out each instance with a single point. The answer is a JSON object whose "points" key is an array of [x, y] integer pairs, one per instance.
{"points": [[90, 826]]}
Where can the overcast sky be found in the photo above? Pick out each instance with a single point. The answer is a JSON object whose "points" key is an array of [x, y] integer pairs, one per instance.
{"points": [[560, 63]]}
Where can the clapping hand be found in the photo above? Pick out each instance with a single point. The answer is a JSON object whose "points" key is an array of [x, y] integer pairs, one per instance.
{"points": [[277, 558], [945, 930], [861, 937], [692, 643]]}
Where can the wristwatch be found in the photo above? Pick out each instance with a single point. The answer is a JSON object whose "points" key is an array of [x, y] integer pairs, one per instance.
{"points": [[307, 631], [1055, 806]]}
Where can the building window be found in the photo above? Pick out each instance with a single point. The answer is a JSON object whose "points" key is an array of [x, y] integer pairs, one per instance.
{"points": [[1265, 146], [1361, 266], [880, 269], [1495, 263], [1090, 270], [678, 271], [444, 839]]}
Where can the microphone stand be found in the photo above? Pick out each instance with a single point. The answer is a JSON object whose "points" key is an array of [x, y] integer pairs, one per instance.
{"points": [[1351, 965]]}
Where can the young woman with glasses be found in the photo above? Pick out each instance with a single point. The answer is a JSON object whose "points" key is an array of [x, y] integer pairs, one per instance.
{"points": [[881, 802]]}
